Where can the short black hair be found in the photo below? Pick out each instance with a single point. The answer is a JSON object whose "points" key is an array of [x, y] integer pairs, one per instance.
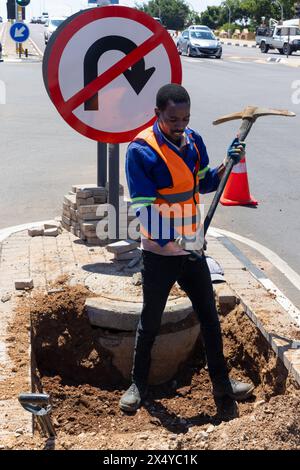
{"points": [[171, 92]]}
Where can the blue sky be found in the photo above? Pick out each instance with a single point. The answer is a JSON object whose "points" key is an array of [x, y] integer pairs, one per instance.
{"points": [[62, 7]]}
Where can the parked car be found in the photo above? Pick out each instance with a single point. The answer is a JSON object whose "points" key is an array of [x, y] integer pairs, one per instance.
{"points": [[196, 42], [51, 25], [201, 27], [286, 39], [1, 19]]}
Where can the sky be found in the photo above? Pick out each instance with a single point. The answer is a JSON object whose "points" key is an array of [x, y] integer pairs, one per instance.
{"points": [[62, 7]]}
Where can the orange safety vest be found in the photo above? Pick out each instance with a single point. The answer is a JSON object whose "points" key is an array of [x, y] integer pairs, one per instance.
{"points": [[177, 203]]}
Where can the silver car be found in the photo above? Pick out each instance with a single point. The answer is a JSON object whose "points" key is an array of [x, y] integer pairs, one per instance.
{"points": [[194, 43], [51, 25]]}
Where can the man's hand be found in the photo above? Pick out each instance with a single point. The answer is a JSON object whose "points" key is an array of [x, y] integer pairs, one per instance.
{"points": [[191, 243], [235, 152]]}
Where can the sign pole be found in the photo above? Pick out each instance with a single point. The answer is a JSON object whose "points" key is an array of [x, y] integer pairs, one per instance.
{"points": [[113, 165], [114, 176], [101, 164], [113, 181], [20, 20]]}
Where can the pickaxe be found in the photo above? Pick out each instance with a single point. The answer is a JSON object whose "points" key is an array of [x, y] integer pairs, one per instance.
{"points": [[249, 115]]}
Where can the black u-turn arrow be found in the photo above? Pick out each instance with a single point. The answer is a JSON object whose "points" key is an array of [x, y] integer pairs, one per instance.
{"points": [[137, 76]]}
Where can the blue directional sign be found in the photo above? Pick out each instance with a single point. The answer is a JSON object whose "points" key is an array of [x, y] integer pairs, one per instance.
{"points": [[19, 32]]}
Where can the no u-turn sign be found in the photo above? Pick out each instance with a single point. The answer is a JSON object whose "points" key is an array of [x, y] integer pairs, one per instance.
{"points": [[102, 69]]}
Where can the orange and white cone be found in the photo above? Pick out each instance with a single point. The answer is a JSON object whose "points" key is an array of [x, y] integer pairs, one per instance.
{"points": [[236, 192]]}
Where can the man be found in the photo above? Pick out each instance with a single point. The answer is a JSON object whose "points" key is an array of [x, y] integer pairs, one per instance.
{"points": [[165, 166]]}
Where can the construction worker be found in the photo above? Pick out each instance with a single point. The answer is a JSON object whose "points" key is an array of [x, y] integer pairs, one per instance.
{"points": [[165, 166]]}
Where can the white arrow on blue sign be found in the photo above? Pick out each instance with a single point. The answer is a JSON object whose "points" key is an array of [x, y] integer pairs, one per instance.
{"points": [[19, 32]]}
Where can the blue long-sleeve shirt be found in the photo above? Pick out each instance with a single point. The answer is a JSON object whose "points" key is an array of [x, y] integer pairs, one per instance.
{"points": [[146, 173]]}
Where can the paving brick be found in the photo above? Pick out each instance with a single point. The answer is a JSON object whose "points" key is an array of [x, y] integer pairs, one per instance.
{"points": [[98, 211], [51, 232], [66, 221], [100, 199], [75, 230], [22, 284], [70, 200], [83, 194], [226, 297], [122, 246], [36, 232], [85, 202], [296, 372], [95, 190]]}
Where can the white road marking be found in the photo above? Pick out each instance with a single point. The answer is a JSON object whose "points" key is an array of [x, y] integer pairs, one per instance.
{"points": [[36, 47], [3, 35], [288, 306], [279, 263]]}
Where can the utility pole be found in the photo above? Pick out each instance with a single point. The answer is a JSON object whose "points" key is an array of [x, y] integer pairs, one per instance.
{"points": [[229, 18], [281, 8]]}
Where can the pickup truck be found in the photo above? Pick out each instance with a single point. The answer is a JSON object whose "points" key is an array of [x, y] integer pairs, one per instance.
{"points": [[286, 39]]}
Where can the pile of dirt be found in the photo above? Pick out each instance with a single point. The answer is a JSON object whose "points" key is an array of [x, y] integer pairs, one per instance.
{"points": [[64, 342]]}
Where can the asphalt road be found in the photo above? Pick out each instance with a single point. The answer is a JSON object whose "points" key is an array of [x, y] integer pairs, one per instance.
{"points": [[37, 34], [42, 156]]}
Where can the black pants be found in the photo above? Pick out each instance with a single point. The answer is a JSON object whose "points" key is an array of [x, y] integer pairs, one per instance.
{"points": [[159, 273]]}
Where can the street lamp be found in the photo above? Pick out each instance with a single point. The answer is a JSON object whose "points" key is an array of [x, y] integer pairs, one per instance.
{"points": [[281, 7]]}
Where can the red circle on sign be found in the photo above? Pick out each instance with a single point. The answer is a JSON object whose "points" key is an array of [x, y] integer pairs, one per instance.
{"points": [[64, 35]]}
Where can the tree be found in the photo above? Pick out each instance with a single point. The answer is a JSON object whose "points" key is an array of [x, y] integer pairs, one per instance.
{"points": [[174, 14], [256, 9], [213, 17]]}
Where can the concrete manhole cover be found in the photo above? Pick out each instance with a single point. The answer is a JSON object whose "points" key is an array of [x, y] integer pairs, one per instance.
{"points": [[120, 285]]}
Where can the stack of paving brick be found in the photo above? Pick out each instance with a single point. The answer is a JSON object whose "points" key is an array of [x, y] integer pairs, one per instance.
{"points": [[124, 249], [85, 206]]}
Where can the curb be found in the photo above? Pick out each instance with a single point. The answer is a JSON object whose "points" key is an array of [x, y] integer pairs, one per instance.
{"points": [[253, 46], [243, 282], [274, 59], [6, 232]]}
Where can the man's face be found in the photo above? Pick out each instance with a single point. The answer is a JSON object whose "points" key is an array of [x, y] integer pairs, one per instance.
{"points": [[174, 119]]}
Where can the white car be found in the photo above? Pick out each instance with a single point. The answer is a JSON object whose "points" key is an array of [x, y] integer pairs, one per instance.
{"points": [[199, 27], [51, 25]]}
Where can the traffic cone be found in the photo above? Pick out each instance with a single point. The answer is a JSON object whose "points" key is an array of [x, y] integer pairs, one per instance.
{"points": [[236, 192]]}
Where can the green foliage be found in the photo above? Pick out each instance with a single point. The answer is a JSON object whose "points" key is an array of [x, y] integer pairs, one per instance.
{"points": [[176, 14], [213, 17], [173, 13], [232, 27]]}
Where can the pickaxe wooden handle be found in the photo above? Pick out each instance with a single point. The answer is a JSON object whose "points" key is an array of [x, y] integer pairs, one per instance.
{"points": [[249, 115]]}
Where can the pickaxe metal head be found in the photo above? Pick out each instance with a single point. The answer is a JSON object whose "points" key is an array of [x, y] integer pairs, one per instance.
{"points": [[251, 113], [249, 116]]}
